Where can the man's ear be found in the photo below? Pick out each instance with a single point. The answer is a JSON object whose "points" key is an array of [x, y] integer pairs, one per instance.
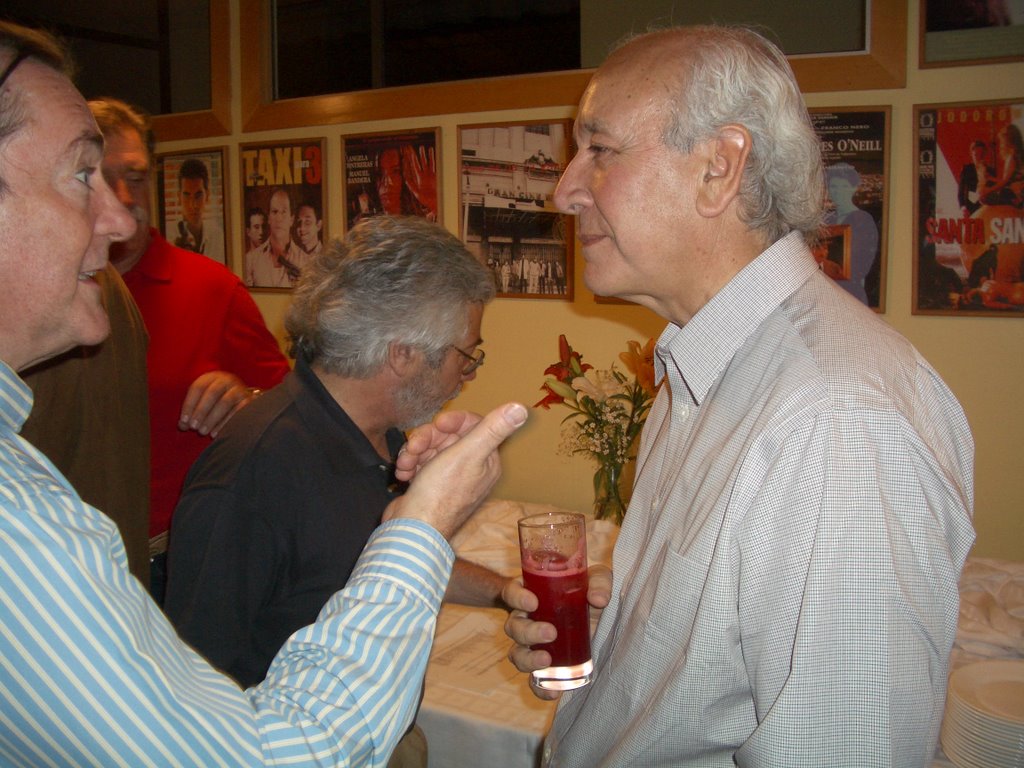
{"points": [[402, 358], [726, 161]]}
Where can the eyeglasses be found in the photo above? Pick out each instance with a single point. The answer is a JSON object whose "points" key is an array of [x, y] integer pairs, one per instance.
{"points": [[475, 361]]}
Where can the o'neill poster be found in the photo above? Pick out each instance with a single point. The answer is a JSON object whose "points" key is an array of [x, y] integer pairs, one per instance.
{"points": [[970, 209], [855, 151]]}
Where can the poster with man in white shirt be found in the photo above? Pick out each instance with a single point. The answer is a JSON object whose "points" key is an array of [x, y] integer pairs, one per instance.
{"points": [[191, 195]]}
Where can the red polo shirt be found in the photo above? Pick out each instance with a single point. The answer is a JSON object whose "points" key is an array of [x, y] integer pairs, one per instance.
{"points": [[200, 318]]}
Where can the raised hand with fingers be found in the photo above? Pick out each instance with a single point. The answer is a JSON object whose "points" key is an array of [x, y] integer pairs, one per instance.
{"points": [[455, 463]]}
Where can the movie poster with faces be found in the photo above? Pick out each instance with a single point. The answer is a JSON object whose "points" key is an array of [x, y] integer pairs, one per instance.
{"points": [[284, 216], [192, 201], [855, 151], [392, 173], [969, 201]]}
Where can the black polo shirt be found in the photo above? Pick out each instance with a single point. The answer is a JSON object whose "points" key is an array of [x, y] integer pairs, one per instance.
{"points": [[273, 517]]}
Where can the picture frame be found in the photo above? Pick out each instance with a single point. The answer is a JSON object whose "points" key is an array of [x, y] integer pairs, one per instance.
{"points": [[398, 173], [833, 251], [969, 209], [192, 201], [956, 33], [855, 149], [508, 173], [282, 182]]}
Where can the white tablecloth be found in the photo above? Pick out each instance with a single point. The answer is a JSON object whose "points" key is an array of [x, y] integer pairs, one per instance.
{"points": [[991, 624], [478, 710]]}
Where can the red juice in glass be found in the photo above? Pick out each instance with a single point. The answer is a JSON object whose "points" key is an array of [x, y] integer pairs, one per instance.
{"points": [[553, 547], [563, 602]]}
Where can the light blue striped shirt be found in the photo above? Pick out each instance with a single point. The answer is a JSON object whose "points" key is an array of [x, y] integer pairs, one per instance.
{"points": [[92, 673]]}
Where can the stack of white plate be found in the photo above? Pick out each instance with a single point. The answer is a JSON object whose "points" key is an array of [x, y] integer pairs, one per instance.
{"points": [[984, 721]]}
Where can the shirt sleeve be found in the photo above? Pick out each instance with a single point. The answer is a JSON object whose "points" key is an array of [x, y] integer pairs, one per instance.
{"points": [[847, 567], [248, 349], [93, 674]]}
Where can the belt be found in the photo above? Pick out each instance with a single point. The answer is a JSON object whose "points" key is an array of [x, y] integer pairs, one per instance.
{"points": [[158, 544]]}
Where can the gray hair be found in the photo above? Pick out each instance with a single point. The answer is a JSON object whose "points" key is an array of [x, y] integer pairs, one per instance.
{"points": [[24, 44], [733, 75], [393, 279]]}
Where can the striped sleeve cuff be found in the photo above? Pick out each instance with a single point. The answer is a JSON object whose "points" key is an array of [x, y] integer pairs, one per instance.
{"points": [[411, 554]]}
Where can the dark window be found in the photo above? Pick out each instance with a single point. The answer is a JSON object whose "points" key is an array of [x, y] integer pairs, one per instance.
{"points": [[154, 54], [326, 46]]}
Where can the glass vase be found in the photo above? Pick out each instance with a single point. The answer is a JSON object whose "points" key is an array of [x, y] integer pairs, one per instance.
{"points": [[610, 501]]}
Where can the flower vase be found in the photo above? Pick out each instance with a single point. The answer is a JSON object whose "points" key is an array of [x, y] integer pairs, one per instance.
{"points": [[609, 500]]}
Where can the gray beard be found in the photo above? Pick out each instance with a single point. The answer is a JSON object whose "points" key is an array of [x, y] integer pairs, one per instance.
{"points": [[419, 401]]}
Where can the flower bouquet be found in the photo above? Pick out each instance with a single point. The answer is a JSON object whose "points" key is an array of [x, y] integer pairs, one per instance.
{"points": [[608, 410]]}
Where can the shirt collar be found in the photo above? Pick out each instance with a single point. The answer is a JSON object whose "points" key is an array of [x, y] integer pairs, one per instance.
{"points": [[702, 348], [326, 404], [15, 398]]}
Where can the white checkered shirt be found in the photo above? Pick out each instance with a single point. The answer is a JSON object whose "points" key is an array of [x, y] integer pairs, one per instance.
{"points": [[786, 579]]}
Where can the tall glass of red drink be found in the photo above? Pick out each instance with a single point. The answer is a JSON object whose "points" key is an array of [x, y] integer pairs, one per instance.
{"points": [[553, 547]]}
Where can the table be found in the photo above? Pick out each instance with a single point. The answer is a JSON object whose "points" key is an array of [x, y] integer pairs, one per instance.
{"points": [[477, 708], [991, 623]]}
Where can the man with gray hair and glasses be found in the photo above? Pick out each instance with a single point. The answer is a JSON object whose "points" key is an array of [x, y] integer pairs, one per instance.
{"points": [[385, 329], [91, 671], [785, 587]]}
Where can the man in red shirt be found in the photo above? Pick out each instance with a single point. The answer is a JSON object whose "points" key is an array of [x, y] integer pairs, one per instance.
{"points": [[209, 350]]}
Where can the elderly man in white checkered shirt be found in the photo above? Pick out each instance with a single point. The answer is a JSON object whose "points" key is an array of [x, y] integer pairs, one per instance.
{"points": [[785, 584]]}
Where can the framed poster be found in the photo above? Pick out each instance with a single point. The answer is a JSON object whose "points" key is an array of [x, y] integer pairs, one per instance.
{"points": [[969, 209], [833, 251], [956, 33], [284, 210], [192, 200], [393, 173], [508, 173], [855, 151]]}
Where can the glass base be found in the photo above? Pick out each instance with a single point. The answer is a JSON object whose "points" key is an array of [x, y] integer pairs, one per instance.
{"points": [[564, 678]]}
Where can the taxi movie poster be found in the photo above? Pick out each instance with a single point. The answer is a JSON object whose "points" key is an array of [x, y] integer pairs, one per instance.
{"points": [[284, 220], [855, 151], [970, 209]]}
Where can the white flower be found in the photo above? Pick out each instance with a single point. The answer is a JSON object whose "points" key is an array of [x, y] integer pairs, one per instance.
{"points": [[597, 385]]}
